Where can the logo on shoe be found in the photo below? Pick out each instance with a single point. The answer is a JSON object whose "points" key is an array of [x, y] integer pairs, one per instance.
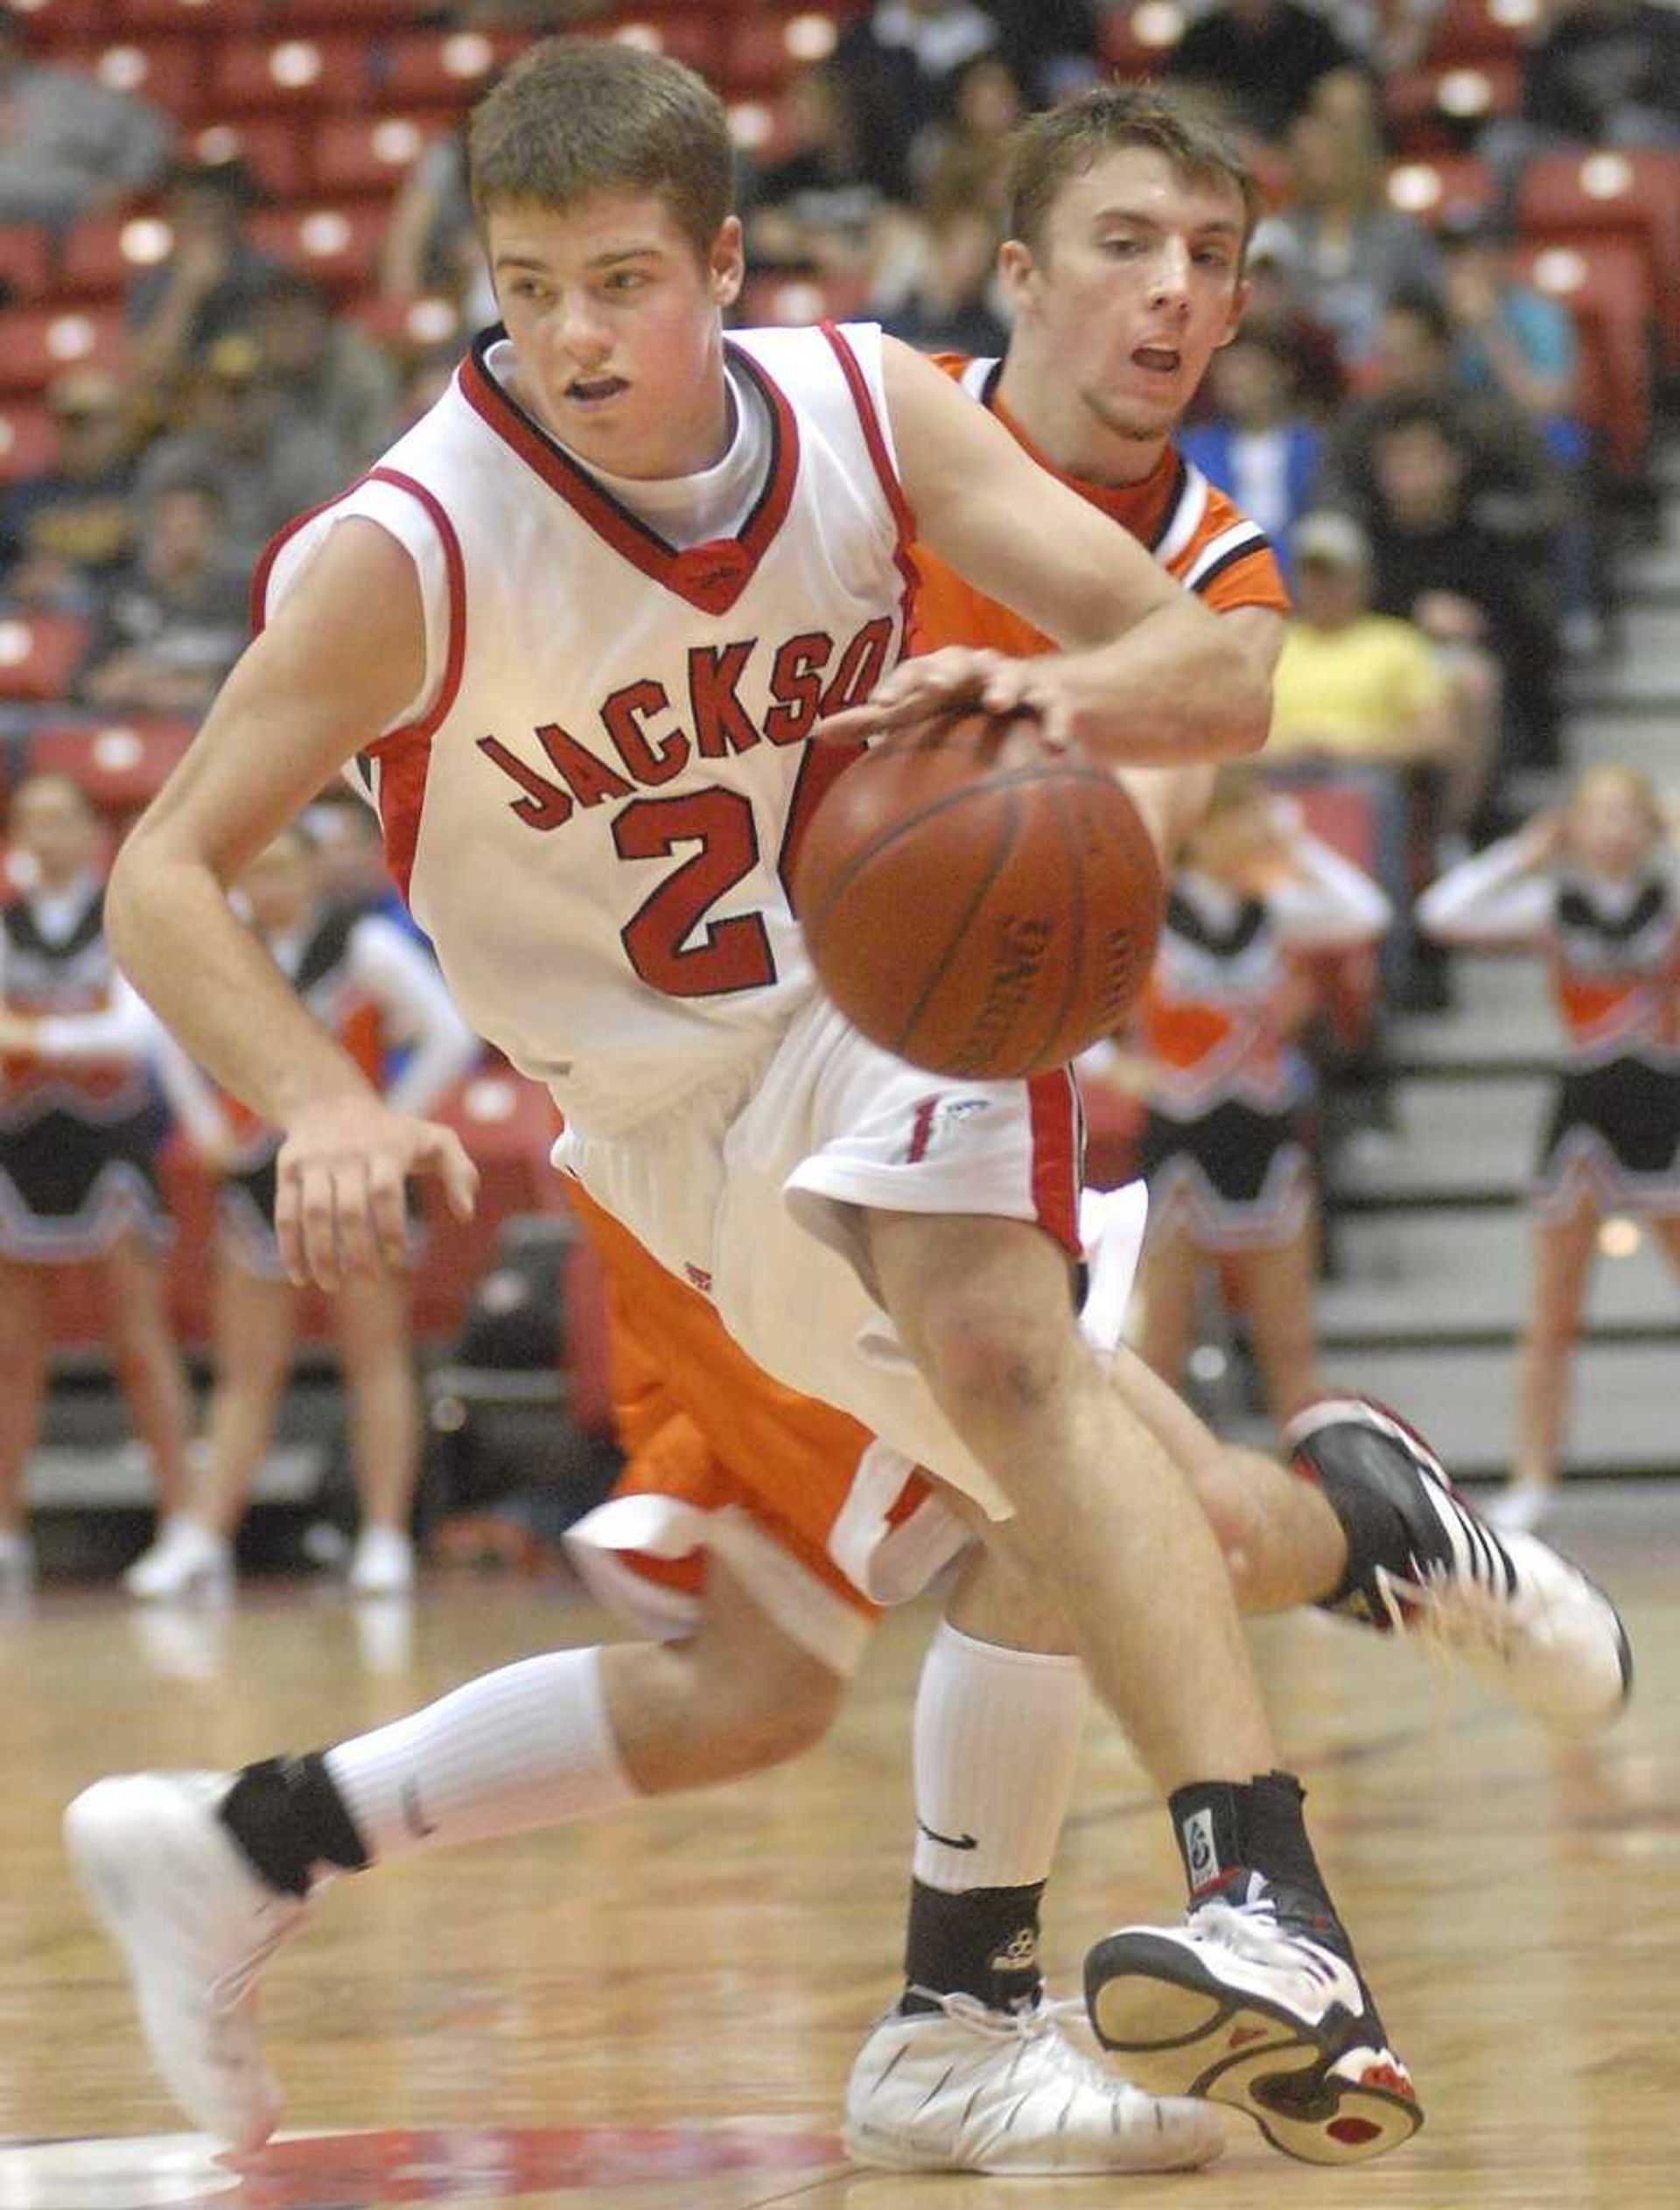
{"points": [[1018, 1954], [1200, 1853]]}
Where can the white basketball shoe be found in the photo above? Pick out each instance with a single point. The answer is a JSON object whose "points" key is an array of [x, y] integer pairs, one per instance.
{"points": [[1256, 2001], [196, 1924], [965, 2088], [187, 1563], [1529, 1624]]}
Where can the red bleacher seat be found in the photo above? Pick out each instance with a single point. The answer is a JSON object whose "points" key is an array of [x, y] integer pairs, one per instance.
{"points": [[1582, 199], [39, 653], [409, 325], [1473, 30], [377, 16], [1607, 289], [686, 34], [168, 72], [443, 68], [371, 153], [275, 149], [1135, 42], [53, 24], [103, 256], [1433, 110], [337, 243], [29, 440], [287, 76], [120, 764], [37, 344], [139, 17], [25, 260]]}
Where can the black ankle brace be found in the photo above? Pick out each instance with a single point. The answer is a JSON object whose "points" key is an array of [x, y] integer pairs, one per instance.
{"points": [[288, 1818], [1222, 1826]]}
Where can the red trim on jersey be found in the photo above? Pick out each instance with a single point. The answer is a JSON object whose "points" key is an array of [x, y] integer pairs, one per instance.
{"points": [[1054, 1102], [276, 545], [405, 755], [875, 439], [711, 577]]}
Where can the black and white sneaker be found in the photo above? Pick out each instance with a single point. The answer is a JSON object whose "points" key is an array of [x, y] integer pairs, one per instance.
{"points": [[1256, 2001], [1529, 1624]]}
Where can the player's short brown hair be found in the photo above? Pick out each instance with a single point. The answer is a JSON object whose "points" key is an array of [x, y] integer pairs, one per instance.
{"points": [[577, 115], [1052, 149]]}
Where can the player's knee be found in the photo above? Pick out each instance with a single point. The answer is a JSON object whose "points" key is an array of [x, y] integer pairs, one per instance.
{"points": [[1000, 1361], [777, 1716]]}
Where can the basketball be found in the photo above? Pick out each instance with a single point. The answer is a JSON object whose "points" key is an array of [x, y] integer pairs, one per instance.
{"points": [[977, 903]]}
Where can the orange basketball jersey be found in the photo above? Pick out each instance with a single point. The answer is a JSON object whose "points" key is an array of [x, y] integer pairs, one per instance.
{"points": [[1193, 529]]}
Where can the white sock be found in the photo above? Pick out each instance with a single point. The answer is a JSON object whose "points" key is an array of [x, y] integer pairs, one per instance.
{"points": [[530, 1745], [997, 1743]]}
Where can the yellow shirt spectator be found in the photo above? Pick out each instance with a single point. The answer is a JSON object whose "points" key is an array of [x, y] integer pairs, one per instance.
{"points": [[1371, 688]]}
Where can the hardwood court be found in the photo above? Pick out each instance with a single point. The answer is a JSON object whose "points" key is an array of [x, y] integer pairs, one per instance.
{"points": [[661, 2010]]}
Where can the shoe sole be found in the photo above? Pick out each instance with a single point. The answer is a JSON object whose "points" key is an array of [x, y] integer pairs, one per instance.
{"points": [[1181, 2030], [882, 2152]]}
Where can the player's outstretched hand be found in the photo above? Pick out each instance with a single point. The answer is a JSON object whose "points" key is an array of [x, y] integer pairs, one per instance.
{"points": [[956, 676], [339, 1206]]}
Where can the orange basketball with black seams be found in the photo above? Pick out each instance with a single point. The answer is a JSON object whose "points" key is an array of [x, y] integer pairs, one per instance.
{"points": [[977, 903]]}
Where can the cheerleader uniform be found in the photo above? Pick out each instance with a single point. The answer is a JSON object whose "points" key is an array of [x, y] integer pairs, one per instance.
{"points": [[1614, 948], [368, 981], [1222, 1149], [80, 1124]]}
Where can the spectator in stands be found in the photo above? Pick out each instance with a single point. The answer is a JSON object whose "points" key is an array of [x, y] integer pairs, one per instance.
{"points": [[68, 146], [1593, 888], [1368, 701], [178, 618], [327, 371], [180, 307], [1603, 73], [1357, 252], [65, 533], [1050, 45], [812, 213], [899, 59], [268, 465], [1262, 57], [431, 244], [1224, 1151], [374, 986], [1258, 444], [1277, 289], [80, 1131], [1440, 564]]}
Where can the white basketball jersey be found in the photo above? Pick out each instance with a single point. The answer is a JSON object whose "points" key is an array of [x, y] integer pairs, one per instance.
{"points": [[594, 815]]}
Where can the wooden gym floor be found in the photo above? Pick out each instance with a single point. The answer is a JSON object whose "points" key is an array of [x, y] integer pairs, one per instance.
{"points": [[659, 2010]]}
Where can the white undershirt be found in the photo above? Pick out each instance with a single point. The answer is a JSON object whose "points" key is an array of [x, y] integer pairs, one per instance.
{"points": [[687, 510]]}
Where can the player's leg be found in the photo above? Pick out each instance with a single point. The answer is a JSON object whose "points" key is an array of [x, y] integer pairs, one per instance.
{"points": [[370, 1315], [149, 1362], [1279, 1286], [23, 1373], [1110, 1525], [198, 1876], [1564, 1242]]}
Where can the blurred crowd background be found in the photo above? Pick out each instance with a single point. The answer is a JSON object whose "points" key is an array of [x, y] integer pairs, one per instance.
{"points": [[237, 258]]}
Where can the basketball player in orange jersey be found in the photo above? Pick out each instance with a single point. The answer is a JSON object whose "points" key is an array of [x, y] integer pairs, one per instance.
{"points": [[1001, 1708], [582, 621]]}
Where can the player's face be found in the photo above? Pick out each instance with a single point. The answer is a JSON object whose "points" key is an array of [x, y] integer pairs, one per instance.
{"points": [[616, 322], [1136, 283]]}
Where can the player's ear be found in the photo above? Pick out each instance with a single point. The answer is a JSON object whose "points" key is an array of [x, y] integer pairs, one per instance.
{"points": [[1240, 299], [726, 262], [1017, 269]]}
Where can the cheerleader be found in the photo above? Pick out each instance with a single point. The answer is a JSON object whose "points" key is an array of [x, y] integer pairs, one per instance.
{"points": [[80, 1131], [1230, 1178], [1593, 888], [369, 982]]}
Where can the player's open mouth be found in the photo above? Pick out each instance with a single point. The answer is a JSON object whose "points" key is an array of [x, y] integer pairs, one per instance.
{"points": [[594, 391], [1160, 361]]}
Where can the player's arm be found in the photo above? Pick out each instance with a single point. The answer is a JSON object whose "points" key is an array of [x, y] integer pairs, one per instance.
{"points": [[343, 657], [1170, 801], [1149, 676]]}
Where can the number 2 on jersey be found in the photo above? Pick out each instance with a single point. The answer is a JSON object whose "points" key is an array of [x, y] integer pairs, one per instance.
{"points": [[729, 954]]}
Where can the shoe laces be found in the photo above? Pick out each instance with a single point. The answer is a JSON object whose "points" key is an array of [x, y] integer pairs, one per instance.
{"points": [[229, 1989], [1455, 1614], [1035, 2022]]}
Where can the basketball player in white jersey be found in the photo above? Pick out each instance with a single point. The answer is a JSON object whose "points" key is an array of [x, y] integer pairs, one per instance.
{"points": [[595, 603]]}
